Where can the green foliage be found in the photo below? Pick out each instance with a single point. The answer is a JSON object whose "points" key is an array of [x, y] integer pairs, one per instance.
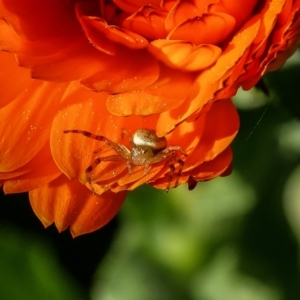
{"points": [[30, 270]]}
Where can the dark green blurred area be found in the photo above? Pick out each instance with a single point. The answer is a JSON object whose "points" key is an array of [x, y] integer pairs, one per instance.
{"points": [[233, 238]]}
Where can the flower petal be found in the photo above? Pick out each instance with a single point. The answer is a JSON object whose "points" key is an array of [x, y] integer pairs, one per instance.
{"points": [[97, 212], [34, 20], [68, 203], [216, 127], [283, 40], [13, 81], [268, 16], [36, 173], [212, 79], [8, 40], [44, 46], [63, 53], [35, 108], [86, 12], [149, 22], [205, 171], [241, 11], [166, 93], [104, 36], [184, 55], [124, 73], [212, 28], [221, 126], [131, 6], [213, 168], [185, 9]]}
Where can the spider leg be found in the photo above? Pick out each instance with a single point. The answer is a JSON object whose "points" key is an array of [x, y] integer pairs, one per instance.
{"points": [[158, 158], [171, 173], [110, 143], [181, 164], [171, 159], [86, 133], [122, 151], [99, 149], [174, 157], [119, 148], [96, 162], [173, 148], [126, 132], [170, 155]]}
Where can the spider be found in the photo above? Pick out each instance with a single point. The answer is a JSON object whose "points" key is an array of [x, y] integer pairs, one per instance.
{"points": [[146, 149]]}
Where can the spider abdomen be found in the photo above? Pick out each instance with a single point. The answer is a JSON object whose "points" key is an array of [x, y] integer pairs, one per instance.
{"points": [[148, 138]]}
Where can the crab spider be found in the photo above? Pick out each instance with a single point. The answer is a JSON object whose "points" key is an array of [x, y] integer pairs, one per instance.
{"points": [[146, 149]]}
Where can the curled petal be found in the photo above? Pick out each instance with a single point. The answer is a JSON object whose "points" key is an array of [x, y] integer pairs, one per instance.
{"points": [[96, 32], [183, 55], [68, 203], [212, 28], [185, 9], [104, 36], [149, 22], [125, 37]]}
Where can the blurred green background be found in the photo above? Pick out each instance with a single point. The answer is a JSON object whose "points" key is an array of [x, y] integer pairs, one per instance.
{"points": [[234, 238]]}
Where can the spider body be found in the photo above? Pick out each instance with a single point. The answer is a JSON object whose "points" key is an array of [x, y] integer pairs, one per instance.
{"points": [[146, 149], [144, 145]]}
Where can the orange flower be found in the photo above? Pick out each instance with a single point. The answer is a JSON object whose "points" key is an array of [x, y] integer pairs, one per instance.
{"points": [[105, 66]]}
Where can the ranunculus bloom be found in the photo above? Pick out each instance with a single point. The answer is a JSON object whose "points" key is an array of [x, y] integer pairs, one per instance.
{"points": [[104, 66]]}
